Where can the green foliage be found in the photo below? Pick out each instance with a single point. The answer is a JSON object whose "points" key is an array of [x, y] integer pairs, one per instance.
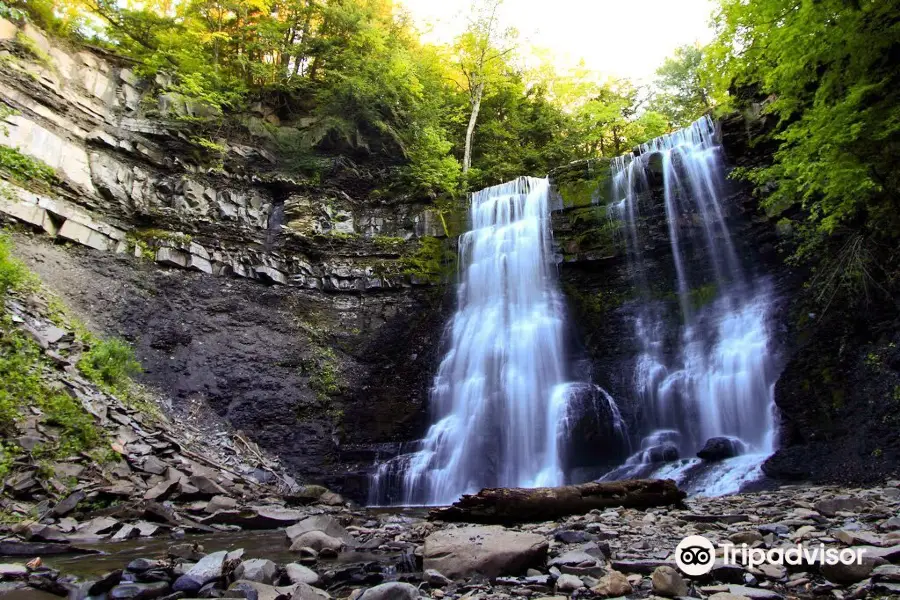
{"points": [[25, 169], [323, 371], [110, 364], [13, 273], [683, 87], [827, 72]]}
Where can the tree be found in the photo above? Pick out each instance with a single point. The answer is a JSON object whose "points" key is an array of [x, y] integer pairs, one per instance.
{"points": [[682, 90], [481, 50]]}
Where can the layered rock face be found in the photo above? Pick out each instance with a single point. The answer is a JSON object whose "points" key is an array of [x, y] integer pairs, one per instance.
{"points": [[305, 313]]}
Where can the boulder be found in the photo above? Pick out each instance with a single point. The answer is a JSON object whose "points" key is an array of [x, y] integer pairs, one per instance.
{"points": [[568, 583], [308, 592], [297, 573], [257, 569], [668, 582], [391, 591], [209, 568], [831, 506], [139, 591], [218, 503], [318, 541], [613, 584], [852, 572], [324, 523], [720, 448], [491, 551], [667, 452], [13, 571]]}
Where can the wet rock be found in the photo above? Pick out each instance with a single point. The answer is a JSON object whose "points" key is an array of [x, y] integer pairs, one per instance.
{"points": [[613, 584], [489, 551], [244, 589], [105, 583], [300, 574], [68, 504], [668, 582], [209, 568], [886, 573], [257, 569], [720, 448], [308, 592], [318, 541], [661, 453], [139, 591], [435, 578], [17, 548], [391, 591], [644, 567], [256, 517]]}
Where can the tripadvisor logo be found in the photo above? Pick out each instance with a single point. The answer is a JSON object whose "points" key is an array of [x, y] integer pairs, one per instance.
{"points": [[695, 555]]}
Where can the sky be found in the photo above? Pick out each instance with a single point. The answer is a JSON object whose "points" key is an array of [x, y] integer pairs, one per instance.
{"points": [[617, 38]]}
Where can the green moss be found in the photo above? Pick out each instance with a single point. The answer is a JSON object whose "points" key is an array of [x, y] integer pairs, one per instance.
{"points": [[388, 243], [599, 303], [323, 372], [28, 45], [151, 235], [432, 261]]}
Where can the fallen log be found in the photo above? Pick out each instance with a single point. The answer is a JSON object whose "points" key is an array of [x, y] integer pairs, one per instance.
{"points": [[506, 506]]}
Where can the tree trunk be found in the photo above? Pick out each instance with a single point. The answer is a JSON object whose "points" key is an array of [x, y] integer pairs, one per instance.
{"points": [[470, 130], [506, 506]]}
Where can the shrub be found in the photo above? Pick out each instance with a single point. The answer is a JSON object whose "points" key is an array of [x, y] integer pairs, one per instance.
{"points": [[110, 364]]}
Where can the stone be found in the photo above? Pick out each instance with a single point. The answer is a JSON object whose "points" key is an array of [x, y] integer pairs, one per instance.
{"points": [[570, 536], [217, 503], [13, 571], [139, 591], [153, 465], [98, 526], [8, 31], [668, 582], [573, 559], [754, 593], [391, 591], [727, 596], [720, 448], [745, 537], [308, 592], [208, 568], [491, 551], [139, 565], [661, 453], [886, 573], [257, 569], [613, 584], [318, 541], [68, 504], [297, 573], [324, 523], [568, 583], [207, 486], [852, 572], [645, 567], [772, 571], [831, 506], [435, 578]]}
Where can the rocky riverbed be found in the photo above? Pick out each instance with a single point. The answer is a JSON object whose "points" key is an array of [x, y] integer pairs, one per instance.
{"points": [[368, 554]]}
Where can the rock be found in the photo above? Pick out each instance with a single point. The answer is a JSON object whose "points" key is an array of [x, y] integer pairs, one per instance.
{"points": [[318, 541], [662, 453], [67, 505], [308, 592], [331, 499], [218, 503], [773, 571], [720, 448], [153, 465], [753, 593], [573, 559], [105, 583], [852, 572], [16, 548], [139, 591], [257, 569], [207, 486], [645, 567], [568, 583], [246, 590], [324, 523], [570, 536], [192, 552], [613, 584], [435, 578], [490, 551], [300, 574], [13, 571], [209, 568], [774, 528], [831, 506], [712, 518], [139, 565], [745, 537], [307, 555], [98, 526], [161, 490], [668, 582], [727, 596], [257, 517], [391, 591], [886, 573]]}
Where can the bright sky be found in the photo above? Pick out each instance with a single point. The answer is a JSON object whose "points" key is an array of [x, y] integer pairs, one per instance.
{"points": [[619, 38]]}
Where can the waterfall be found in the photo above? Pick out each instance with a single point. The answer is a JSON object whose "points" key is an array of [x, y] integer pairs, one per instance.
{"points": [[718, 381], [500, 399]]}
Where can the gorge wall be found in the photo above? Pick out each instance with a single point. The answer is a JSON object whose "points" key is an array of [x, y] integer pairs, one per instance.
{"points": [[305, 313], [308, 311]]}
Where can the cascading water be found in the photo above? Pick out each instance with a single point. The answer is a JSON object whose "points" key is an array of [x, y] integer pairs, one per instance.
{"points": [[718, 382], [500, 397]]}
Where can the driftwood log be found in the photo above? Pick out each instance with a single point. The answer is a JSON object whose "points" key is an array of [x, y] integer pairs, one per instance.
{"points": [[506, 506]]}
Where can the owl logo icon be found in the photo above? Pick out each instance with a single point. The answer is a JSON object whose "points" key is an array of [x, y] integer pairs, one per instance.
{"points": [[695, 555]]}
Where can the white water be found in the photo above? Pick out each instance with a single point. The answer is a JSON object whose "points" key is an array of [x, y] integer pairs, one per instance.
{"points": [[719, 380], [500, 397]]}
